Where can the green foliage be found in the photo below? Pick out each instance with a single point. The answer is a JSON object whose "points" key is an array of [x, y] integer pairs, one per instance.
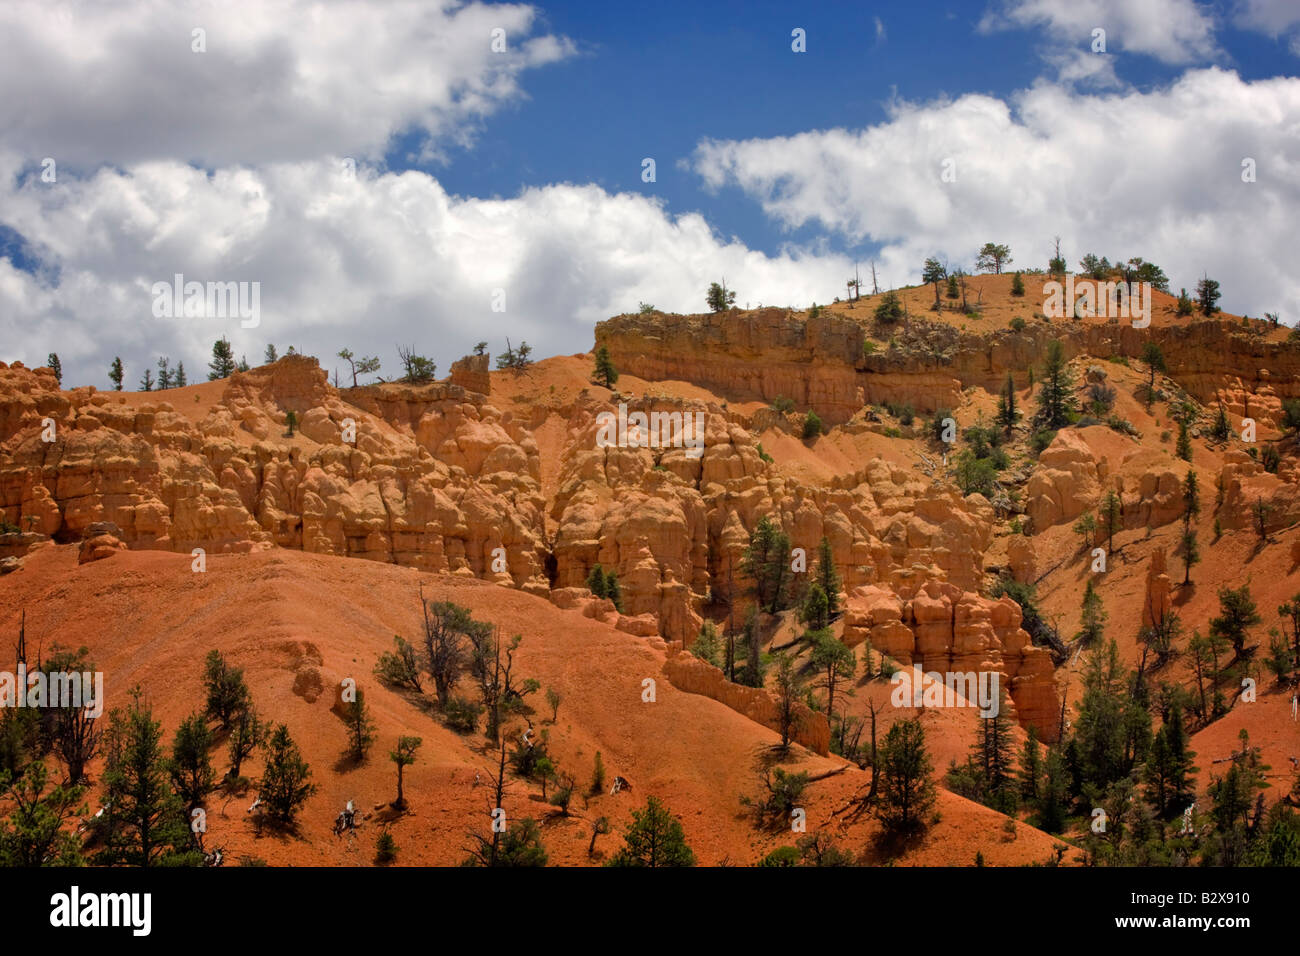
{"points": [[1207, 295], [400, 667], [890, 309], [653, 839], [992, 257], [361, 728], [1237, 614], [516, 359], [35, 832], [605, 373], [223, 360], [767, 562], [782, 404], [1018, 286], [116, 374], [1184, 306], [461, 714], [227, 694], [812, 425], [907, 793], [1018, 325], [719, 297], [416, 369], [190, 768], [144, 821], [385, 849], [1056, 401], [1092, 618], [285, 779]]}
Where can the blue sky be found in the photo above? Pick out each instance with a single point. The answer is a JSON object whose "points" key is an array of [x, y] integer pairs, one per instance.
{"points": [[479, 173], [653, 82]]}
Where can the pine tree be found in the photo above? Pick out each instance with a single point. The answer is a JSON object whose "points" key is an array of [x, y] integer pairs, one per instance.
{"points": [[269, 355], [164, 373], [654, 838], [145, 821], [835, 662], [907, 793], [361, 728], [1052, 801], [828, 578], [992, 757], [1184, 446], [1112, 518], [605, 373], [1190, 552], [1017, 285], [596, 582], [753, 651], [1030, 772], [247, 733], [190, 768], [1155, 362], [223, 360], [285, 785], [403, 755], [1092, 618], [1008, 413], [116, 374], [766, 561], [146, 382], [1237, 613], [36, 831], [1056, 402], [56, 367], [178, 379]]}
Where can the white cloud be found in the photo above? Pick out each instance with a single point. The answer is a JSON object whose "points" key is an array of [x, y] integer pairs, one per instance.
{"points": [[366, 263], [1274, 17], [88, 82], [1156, 174], [1173, 31]]}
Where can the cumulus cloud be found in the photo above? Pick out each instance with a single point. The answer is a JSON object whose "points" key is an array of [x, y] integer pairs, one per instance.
{"points": [[1156, 174], [365, 262], [88, 82], [1173, 31]]}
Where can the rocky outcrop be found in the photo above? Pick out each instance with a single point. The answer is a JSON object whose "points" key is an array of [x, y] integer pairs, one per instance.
{"points": [[943, 628], [473, 374], [690, 674], [429, 476]]}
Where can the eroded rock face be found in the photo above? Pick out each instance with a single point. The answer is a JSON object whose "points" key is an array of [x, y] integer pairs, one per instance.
{"points": [[689, 673], [674, 527], [427, 476], [943, 628]]}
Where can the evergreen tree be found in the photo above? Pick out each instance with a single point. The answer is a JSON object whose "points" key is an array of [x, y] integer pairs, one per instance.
{"points": [[1113, 728], [36, 831], [1237, 614], [269, 355], [719, 297], [116, 373], [1184, 446], [56, 367], [767, 562], [1207, 295], [1017, 285], [1190, 552], [834, 661], [1008, 413], [178, 379], [145, 821], [828, 578], [1052, 800], [934, 272], [605, 373], [227, 694], [1111, 518], [1030, 772], [164, 373], [190, 768], [285, 785], [1169, 774], [1056, 402], [992, 755], [753, 651], [814, 611], [403, 755], [361, 728], [1155, 362], [596, 582], [223, 360], [907, 793], [146, 381], [1092, 618], [1184, 306], [654, 838], [247, 733]]}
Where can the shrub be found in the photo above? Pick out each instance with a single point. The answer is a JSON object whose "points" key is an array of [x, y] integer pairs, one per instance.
{"points": [[890, 309], [461, 714], [1018, 324], [812, 425], [782, 404], [385, 849]]}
